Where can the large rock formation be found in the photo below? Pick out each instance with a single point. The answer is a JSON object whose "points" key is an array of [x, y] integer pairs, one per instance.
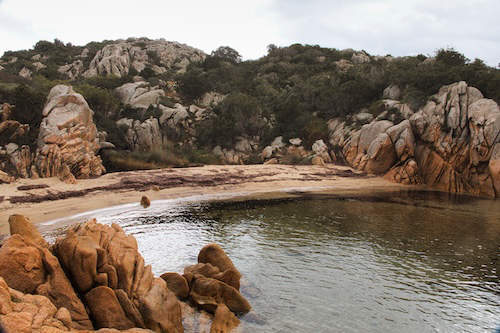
{"points": [[118, 58], [112, 286], [142, 136], [68, 142], [105, 258], [452, 143], [15, 159], [139, 95], [33, 269]]}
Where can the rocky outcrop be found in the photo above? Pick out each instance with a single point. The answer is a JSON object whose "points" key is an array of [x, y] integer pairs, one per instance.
{"points": [[224, 320], [25, 313], [17, 161], [458, 130], [68, 142], [177, 284], [25, 73], [20, 225], [95, 272], [139, 95], [33, 269], [105, 258], [450, 144], [118, 58], [142, 136], [73, 70]]}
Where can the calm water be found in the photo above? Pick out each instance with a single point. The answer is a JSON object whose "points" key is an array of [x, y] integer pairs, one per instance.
{"points": [[397, 262]]}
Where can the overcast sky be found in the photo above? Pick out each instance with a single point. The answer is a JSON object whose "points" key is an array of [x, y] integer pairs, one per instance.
{"points": [[396, 27]]}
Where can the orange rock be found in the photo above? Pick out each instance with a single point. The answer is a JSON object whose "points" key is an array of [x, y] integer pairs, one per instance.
{"points": [[177, 284], [215, 255], [106, 309], [22, 225], [207, 293], [145, 202], [224, 321]]}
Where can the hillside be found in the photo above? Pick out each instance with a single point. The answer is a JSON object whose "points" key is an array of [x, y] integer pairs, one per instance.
{"points": [[157, 103]]}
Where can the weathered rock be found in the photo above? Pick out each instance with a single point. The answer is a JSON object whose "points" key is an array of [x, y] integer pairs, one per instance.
{"points": [[160, 308], [271, 161], [215, 255], [194, 320], [145, 136], [68, 137], [130, 308], [22, 313], [207, 293], [177, 284], [139, 95], [229, 156], [320, 149], [73, 70], [224, 321], [145, 202], [11, 130], [97, 255], [21, 264], [458, 129], [38, 66], [5, 178], [119, 57], [267, 152], [211, 99], [22, 226], [25, 73], [18, 160], [106, 309], [494, 167], [392, 92], [6, 110], [32, 269], [449, 144], [360, 58], [317, 160], [176, 119], [344, 65]]}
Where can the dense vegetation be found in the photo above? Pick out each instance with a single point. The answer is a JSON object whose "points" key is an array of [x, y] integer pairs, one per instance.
{"points": [[297, 88], [292, 91]]}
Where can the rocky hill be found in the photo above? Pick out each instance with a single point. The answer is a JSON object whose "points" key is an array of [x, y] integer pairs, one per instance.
{"points": [[74, 111]]}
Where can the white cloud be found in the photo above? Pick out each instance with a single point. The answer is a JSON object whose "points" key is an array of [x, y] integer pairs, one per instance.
{"points": [[378, 26]]}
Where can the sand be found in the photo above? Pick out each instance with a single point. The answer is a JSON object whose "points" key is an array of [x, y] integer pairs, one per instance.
{"points": [[58, 200]]}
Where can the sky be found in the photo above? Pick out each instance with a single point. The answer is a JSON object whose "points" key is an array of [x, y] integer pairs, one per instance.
{"points": [[396, 27]]}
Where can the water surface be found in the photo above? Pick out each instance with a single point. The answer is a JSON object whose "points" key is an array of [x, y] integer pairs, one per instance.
{"points": [[387, 262]]}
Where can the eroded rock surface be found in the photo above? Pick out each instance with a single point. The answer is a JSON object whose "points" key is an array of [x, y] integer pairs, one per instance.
{"points": [[97, 256], [450, 144], [68, 142], [32, 269], [120, 57], [112, 283]]}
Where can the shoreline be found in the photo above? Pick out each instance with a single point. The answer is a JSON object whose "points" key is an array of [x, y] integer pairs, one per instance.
{"points": [[48, 199]]}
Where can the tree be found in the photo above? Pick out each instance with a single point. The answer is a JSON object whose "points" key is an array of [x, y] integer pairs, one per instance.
{"points": [[450, 57], [225, 53]]}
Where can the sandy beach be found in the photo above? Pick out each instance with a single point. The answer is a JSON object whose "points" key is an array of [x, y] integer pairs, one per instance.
{"points": [[47, 199]]}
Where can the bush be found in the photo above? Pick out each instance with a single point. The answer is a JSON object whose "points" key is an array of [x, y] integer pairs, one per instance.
{"points": [[194, 83], [237, 115], [102, 101]]}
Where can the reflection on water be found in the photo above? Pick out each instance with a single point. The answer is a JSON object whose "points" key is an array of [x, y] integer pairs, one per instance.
{"points": [[397, 262]]}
